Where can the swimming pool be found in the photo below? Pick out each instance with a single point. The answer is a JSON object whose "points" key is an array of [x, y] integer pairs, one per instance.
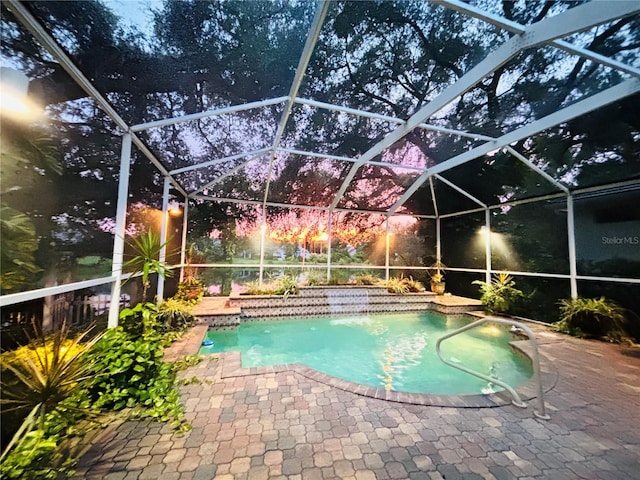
{"points": [[391, 351]]}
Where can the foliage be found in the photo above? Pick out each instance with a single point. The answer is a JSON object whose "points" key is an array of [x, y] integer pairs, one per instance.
{"points": [[36, 458], [36, 378], [145, 261], [17, 249], [366, 279], [402, 285], [174, 315], [190, 291], [139, 320], [255, 288], [286, 285], [498, 295], [438, 275], [414, 286], [592, 317], [130, 373], [316, 278], [397, 285]]}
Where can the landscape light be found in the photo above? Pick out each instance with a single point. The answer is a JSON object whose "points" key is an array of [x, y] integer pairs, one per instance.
{"points": [[13, 94]]}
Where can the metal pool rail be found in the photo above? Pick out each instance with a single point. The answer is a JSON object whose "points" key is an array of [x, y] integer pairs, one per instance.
{"points": [[517, 401]]}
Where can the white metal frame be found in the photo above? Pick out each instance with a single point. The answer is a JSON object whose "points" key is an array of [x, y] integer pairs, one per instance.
{"points": [[548, 31]]}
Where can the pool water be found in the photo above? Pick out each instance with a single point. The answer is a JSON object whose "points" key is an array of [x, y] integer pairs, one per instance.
{"points": [[391, 351]]}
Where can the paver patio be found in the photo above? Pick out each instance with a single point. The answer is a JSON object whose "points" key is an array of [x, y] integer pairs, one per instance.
{"points": [[285, 425]]}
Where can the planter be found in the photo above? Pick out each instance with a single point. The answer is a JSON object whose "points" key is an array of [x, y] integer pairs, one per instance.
{"points": [[438, 287]]}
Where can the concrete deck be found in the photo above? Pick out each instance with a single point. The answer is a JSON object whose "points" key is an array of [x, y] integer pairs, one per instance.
{"points": [[285, 425]]}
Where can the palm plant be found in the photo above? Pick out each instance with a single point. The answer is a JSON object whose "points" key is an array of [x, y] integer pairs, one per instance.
{"points": [[39, 376], [147, 247], [499, 294]]}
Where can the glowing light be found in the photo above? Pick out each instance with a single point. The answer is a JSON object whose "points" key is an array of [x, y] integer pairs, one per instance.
{"points": [[483, 230], [174, 209], [13, 94], [491, 330]]}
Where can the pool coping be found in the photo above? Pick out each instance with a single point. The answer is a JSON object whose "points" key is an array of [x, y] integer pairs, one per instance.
{"points": [[232, 367]]}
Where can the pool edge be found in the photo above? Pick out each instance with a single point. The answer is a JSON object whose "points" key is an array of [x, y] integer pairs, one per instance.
{"points": [[232, 368]]}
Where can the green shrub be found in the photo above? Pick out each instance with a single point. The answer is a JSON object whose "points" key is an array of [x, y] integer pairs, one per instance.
{"points": [[592, 317], [316, 278], [36, 458], [498, 295], [366, 279], [139, 320], [40, 380], [286, 285], [130, 373], [414, 286], [254, 288], [190, 291], [397, 285], [174, 315]]}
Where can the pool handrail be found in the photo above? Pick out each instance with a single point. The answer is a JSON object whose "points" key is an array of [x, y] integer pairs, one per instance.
{"points": [[516, 400]]}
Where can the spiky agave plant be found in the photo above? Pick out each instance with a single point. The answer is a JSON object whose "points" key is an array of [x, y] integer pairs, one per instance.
{"points": [[38, 376]]}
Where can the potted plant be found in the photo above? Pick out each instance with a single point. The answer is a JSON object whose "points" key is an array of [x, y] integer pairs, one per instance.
{"points": [[437, 278]]}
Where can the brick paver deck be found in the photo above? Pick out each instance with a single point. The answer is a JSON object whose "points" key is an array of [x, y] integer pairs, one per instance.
{"points": [[285, 425]]}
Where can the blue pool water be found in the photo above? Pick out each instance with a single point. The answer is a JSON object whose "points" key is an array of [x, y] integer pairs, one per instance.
{"points": [[392, 351]]}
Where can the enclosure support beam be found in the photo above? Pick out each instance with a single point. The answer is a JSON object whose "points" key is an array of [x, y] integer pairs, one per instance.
{"points": [[515, 27], [52, 46], [573, 271], [215, 161], [162, 257], [119, 233], [329, 240], [183, 242], [573, 20], [456, 188], [263, 233], [438, 242], [312, 38], [387, 118], [536, 169], [387, 243], [207, 114], [606, 97], [487, 245]]}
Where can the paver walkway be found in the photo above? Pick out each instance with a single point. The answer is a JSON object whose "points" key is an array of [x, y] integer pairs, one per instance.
{"points": [[285, 425]]}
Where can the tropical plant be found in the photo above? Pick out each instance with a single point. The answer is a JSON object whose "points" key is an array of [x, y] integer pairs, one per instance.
{"points": [[397, 285], [592, 317], [499, 294], [316, 278], [36, 458], [413, 285], [286, 285], [131, 373], [437, 275], [145, 261], [139, 320], [366, 279], [36, 378], [174, 315], [17, 250], [190, 291]]}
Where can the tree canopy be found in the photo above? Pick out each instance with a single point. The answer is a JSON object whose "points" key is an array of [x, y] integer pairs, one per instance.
{"points": [[386, 57]]}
